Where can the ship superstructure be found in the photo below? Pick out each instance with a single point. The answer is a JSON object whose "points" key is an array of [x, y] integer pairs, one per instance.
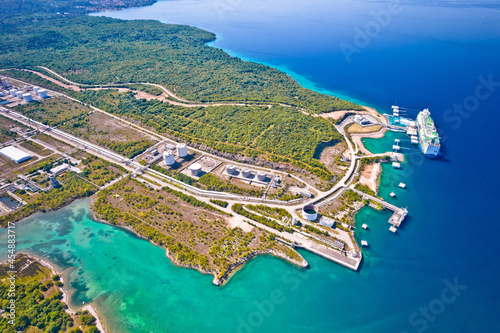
{"points": [[429, 141]]}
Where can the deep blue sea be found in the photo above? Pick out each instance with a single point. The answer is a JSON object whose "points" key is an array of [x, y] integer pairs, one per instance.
{"points": [[439, 273]]}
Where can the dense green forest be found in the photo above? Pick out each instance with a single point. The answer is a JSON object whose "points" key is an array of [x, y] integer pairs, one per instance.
{"points": [[38, 305], [98, 50], [283, 134], [46, 9]]}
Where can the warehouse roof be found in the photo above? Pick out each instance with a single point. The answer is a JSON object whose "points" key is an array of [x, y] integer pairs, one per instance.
{"points": [[15, 154]]}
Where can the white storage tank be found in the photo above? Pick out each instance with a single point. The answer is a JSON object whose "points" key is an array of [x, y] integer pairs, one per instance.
{"points": [[20, 94], [26, 87], [195, 169], [13, 92], [262, 176], [231, 169], [168, 158], [246, 172], [42, 93], [35, 89], [1, 94], [27, 97], [182, 150], [309, 213]]}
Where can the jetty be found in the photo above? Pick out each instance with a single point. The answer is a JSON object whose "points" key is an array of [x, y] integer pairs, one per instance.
{"points": [[399, 213]]}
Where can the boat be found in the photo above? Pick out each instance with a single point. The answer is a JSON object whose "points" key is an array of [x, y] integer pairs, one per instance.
{"points": [[392, 194], [429, 141], [402, 185], [393, 229], [364, 243], [364, 226]]}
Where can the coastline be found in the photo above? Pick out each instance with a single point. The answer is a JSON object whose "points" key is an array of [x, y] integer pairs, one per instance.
{"points": [[90, 307], [219, 279]]}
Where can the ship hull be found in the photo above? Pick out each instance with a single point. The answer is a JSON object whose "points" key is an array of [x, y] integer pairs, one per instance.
{"points": [[428, 153]]}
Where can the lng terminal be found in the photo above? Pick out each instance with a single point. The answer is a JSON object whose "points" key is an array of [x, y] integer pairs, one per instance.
{"points": [[422, 130], [320, 220]]}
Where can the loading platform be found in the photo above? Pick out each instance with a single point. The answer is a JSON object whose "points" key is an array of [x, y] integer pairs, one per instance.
{"points": [[399, 213]]}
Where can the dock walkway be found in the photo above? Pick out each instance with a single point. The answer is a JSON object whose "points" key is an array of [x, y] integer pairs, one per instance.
{"points": [[399, 213]]}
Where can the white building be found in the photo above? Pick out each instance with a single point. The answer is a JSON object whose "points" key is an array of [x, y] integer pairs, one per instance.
{"points": [[15, 154]]}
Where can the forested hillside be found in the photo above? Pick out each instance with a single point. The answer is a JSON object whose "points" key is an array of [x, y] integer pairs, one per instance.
{"points": [[97, 50]]}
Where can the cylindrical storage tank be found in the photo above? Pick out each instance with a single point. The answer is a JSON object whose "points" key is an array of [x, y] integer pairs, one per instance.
{"points": [[53, 181], [261, 175], [231, 169], [42, 93], [246, 172], [182, 150], [168, 158], [309, 213], [36, 89], [26, 87], [1, 94], [20, 94], [28, 98], [195, 169], [13, 92]]}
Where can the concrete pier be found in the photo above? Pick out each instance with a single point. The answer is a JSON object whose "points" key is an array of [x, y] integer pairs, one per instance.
{"points": [[399, 213]]}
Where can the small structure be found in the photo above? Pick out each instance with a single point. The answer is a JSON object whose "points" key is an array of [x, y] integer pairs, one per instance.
{"points": [[393, 229], [15, 154], [309, 213], [182, 150], [262, 176], [154, 152], [362, 121], [231, 169], [53, 181], [246, 173], [327, 222], [364, 226], [169, 158], [195, 169], [28, 98], [364, 243], [58, 169], [402, 185]]}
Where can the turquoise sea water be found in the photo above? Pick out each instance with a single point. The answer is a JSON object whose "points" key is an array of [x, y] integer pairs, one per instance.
{"points": [[432, 54]]}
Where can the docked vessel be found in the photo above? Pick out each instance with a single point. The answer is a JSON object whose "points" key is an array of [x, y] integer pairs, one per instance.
{"points": [[427, 134]]}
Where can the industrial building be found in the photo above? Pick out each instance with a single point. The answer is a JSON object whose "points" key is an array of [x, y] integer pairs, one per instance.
{"points": [[15, 154]]}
